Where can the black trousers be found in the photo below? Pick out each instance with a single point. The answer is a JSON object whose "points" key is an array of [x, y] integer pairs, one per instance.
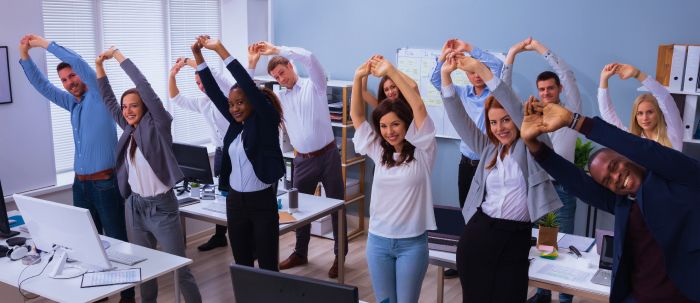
{"points": [[253, 227], [467, 169], [492, 259]]}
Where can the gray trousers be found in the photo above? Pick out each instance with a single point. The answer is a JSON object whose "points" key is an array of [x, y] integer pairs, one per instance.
{"points": [[307, 173], [153, 220]]}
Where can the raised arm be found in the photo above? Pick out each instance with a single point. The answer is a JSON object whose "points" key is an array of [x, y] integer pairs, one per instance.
{"points": [[507, 74], [381, 67], [357, 113], [572, 96], [672, 115], [39, 80], [210, 88], [77, 63], [304, 57], [259, 101], [605, 105], [463, 124], [366, 95], [108, 97], [173, 91]]}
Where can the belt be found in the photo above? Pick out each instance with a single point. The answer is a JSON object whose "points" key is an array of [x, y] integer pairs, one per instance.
{"points": [[317, 153], [100, 175], [470, 161]]}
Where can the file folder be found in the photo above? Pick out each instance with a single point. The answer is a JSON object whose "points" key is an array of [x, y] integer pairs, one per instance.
{"points": [[677, 68], [692, 65]]}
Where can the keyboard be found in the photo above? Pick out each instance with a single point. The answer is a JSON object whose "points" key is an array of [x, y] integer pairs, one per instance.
{"points": [[123, 258], [187, 201], [216, 207]]}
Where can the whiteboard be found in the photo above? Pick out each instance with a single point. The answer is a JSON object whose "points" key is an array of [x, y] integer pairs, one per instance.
{"points": [[418, 64]]}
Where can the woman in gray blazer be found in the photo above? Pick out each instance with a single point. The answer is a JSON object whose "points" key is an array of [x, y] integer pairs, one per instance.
{"points": [[508, 192], [147, 170]]}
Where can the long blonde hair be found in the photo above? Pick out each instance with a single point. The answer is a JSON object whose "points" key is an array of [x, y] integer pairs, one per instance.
{"points": [[661, 128]]}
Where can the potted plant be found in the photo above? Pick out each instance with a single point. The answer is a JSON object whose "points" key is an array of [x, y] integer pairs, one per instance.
{"points": [[581, 153], [195, 190], [548, 230]]}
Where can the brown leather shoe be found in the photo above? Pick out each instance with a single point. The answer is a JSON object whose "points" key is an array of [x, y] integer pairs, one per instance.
{"points": [[333, 272], [294, 260]]}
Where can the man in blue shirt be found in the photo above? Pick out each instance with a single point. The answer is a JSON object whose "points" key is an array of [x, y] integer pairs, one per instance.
{"points": [[94, 134], [473, 97]]}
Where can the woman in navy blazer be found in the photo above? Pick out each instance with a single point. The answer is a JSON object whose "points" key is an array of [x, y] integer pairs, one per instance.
{"points": [[252, 159]]}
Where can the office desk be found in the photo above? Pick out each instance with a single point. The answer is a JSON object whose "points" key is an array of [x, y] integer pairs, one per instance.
{"points": [[586, 267], [310, 208], [68, 290]]}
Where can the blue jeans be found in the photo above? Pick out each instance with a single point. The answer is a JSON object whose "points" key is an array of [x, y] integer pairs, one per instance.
{"points": [[565, 217], [106, 206], [397, 267]]}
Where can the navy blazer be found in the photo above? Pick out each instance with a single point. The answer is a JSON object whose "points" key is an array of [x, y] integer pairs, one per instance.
{"points": [[669, 198], [260, 129]]}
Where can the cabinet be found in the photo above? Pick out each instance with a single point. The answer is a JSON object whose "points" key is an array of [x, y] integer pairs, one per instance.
{"points": [[338, 93]]}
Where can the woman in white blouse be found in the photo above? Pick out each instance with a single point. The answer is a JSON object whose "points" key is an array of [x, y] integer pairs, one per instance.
{"points": [[401, 142], [655, 116]]}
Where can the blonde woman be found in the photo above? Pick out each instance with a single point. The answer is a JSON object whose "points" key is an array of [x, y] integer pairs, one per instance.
{"points": [[654, 116]]}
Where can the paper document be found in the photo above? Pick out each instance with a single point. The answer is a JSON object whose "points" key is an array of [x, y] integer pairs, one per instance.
{"points": [[581, 243], [564, 273], [101, 278], [286, 217]]}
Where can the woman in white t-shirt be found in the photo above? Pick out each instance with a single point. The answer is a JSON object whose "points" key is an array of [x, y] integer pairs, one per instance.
{"points": [[401, 142]]}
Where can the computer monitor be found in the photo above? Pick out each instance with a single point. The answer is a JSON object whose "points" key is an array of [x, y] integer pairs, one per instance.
{"points": [[254, 285], [449, 221], [67, 229], [5, 231], [194, 163]]}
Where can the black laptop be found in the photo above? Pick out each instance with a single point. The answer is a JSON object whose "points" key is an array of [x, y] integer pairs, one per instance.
{"points": [[5, 231], [604, 274], [450, 224]]}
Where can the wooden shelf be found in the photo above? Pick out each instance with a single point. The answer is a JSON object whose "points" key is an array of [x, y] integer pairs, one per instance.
{"points": [[692, 141], [354, 161], [340, 124], [353, 199]]}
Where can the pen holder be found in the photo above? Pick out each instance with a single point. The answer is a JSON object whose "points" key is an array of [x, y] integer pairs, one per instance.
{"points": [[293, 200]]}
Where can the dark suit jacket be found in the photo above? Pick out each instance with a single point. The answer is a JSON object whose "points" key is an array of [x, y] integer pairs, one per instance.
{"points": [[669, 198], [260, 130]]}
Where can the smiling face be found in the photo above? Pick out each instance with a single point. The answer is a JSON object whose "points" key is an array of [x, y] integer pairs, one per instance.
{"points": [[548, 90], [393, 129], [502, 126], [391, 90], [72, 82], [132, 108], [616, 173], [238, 105], [646, 116]]}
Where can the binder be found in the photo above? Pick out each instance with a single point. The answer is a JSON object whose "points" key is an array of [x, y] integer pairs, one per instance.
{"points": [[692, 65], [689, 117], [663, 63], [677, 68]]}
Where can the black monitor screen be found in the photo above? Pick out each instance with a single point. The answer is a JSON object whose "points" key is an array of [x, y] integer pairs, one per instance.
{"points": [[194, 163], [449, 221], [254, 285], [606, 257], [4, 222]]}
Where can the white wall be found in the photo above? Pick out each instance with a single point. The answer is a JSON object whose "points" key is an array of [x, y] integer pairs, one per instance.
{"points": [[26, 147]]}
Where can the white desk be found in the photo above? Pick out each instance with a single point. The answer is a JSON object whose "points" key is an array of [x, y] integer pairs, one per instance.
{"points": [[310, 208], [68, 290], [586, 266]]}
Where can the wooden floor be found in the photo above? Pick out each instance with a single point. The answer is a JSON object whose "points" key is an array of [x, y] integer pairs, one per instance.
{"points": [[212, 273]]}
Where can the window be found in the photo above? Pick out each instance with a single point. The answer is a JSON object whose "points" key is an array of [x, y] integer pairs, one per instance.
{"points": [[153, 33]]}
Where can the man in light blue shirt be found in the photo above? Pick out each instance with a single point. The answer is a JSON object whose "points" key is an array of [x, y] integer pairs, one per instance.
{"points": [[94, 135], [473, 98]]}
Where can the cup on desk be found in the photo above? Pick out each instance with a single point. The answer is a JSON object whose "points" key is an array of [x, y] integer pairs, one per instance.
{"points": [[293, 200]]}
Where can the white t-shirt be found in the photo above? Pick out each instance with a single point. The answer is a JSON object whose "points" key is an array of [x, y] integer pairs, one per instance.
{"points": [[402, 202], [142, 178]]}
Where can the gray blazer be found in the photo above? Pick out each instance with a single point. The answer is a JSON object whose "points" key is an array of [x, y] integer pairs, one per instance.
{"points": [[152, 134], [541, 196]]}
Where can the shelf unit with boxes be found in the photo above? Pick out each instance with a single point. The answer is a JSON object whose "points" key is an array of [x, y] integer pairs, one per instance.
{"points": [[339, 105], [687, 103]]}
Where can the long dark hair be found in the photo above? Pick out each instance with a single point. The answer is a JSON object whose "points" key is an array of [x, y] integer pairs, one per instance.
{"points": [[405, 114], [381, 96], [132, 149]]}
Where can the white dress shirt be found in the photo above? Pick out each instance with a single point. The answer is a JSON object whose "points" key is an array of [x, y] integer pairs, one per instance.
{"points": [[402, 200], [506, 191], [674, 123], [243, 178], [142, 179], [305, 105]]}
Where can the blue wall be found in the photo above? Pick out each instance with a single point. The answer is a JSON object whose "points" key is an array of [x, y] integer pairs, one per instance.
{"points": [[587, 34]]}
